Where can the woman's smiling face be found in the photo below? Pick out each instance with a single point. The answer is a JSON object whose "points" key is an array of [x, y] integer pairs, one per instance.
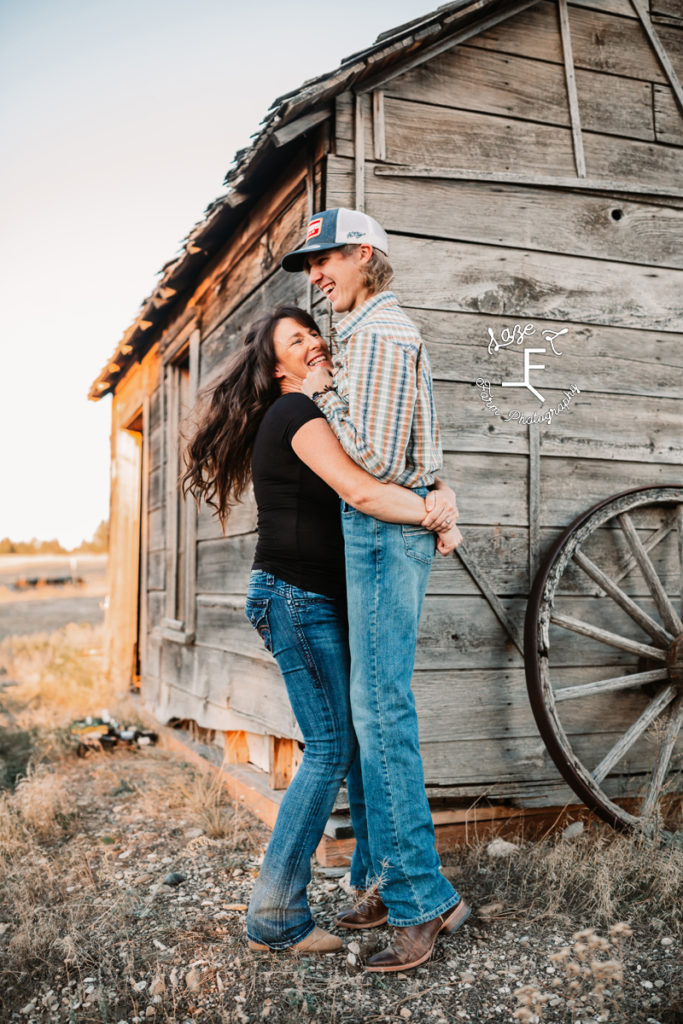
{"points": [[297, 350]]}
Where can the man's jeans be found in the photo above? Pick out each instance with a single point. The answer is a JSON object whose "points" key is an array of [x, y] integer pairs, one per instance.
{"points": [[307, 634], [387, 568]]}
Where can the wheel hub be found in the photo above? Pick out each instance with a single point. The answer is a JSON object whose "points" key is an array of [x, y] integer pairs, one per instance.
{"points": [[674, 661]]}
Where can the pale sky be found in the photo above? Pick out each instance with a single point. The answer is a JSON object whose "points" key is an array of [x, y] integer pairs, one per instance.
{"points": [[119, 121]]}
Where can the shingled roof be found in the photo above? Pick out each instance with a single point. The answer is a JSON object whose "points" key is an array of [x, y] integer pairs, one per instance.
{"points": [[287, 120]]}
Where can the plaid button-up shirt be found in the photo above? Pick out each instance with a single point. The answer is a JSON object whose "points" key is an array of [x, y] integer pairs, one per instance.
{"points": [[382, 407]]}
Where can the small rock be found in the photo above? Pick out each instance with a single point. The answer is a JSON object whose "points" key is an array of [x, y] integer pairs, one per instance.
{"points": [[174, 878], [193, 980], [659, 983], [352, 959], [489, 909], [575, 829], [158, 986], [405, 1012], [354, 947], [646, 984], [150, 1011], [667, 941], [501, 848], [194, 833]]}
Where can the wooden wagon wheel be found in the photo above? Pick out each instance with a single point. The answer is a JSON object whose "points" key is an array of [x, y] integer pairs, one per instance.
{"points": [[604, 656]]}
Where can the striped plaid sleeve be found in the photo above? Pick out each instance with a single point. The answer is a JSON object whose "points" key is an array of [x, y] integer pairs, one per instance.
{"points": [[374, 428]]}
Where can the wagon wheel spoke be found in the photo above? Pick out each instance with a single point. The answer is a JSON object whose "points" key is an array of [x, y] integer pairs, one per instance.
{"points": [[680, 550], [652, 541], [664, 606], [604, 636], [657, 633], [663, 757], [651, 712], [607, 685]]}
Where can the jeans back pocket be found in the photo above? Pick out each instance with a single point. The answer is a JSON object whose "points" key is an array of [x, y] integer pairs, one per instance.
{"points": [[419, 543], [256, 610]]}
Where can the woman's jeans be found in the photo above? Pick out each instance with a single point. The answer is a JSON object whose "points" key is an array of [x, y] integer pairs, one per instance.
{"points": [[307, 634], [387, 568]]}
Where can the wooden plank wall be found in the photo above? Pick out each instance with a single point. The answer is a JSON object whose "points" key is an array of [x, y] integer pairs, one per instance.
{"points": [[223, 680], [472, 255]]}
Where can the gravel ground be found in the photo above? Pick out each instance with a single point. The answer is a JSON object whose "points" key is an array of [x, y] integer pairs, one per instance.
{"points": [[134, 911]]}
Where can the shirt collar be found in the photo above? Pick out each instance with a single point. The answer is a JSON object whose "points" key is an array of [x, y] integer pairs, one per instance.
{"points": [[353, 320]]}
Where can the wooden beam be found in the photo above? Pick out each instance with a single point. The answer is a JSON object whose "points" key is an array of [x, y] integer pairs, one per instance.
{"points": [[426, 54], [291, 131], [508, 624], [572, 94], [529, 180], [658, 47]]}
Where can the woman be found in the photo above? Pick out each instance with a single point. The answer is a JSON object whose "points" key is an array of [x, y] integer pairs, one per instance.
{"points": [[259, 425]]}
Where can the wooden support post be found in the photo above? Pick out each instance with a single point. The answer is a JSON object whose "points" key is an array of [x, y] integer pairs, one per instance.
{"points": [[236, 747], [282, 762], [577, 138], [359, 150], [378, 129], [534, 492]]}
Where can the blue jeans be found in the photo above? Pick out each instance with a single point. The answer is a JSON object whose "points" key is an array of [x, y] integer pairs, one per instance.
{"points": [[387, 568], [307, 634]]}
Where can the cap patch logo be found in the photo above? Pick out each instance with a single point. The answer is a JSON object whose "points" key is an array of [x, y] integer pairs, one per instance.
{"points": [[355, 234], [314, 228]]}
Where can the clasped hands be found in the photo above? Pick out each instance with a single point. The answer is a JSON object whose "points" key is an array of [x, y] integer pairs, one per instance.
{"points": [[442, 515]]}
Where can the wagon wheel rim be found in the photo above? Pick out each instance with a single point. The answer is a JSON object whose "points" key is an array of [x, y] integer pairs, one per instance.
{"points": [[663, 648]]}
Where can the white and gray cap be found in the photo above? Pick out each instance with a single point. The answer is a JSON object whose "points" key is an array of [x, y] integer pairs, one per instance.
{"points": [[331, 229]]}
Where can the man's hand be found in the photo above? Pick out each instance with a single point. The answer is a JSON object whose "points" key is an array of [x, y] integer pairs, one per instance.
{"points": [[441, 509], [316, 379], [448, 540]]}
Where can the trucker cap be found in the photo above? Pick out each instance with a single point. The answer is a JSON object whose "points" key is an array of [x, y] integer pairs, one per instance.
{"points": [[334, 228]]}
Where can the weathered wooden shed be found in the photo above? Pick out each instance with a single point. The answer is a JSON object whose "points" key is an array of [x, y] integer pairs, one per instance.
{"points": [[526, 159]]}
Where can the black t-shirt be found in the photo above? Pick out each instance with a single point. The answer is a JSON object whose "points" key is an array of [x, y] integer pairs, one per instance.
{"points": [[299, 527]]}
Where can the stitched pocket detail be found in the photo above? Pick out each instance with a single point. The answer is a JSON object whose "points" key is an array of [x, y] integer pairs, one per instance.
{"points": [[256, 610]]}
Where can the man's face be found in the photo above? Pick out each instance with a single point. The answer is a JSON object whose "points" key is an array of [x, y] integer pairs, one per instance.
{"points": [[297, 350], [339, 276]]}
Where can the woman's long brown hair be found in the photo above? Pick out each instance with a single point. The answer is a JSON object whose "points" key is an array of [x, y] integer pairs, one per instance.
{"points": [[218, 455]]}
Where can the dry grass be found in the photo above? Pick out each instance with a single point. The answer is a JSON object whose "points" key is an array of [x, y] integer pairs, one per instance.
{"points": [[596, 878], [85, 846]]}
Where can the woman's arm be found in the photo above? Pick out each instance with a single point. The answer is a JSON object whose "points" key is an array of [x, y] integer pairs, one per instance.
{"points": [[317, 446]]}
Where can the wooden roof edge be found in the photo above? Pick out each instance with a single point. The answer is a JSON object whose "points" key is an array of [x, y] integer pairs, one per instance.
{"points": [[307, 101]]}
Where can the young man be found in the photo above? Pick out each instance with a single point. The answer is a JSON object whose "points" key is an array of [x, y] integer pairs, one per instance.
{"points": [[381, 407]]}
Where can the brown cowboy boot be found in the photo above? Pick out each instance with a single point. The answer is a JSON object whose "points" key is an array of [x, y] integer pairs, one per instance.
{"points": [[367, 912], [317, 941], [414, 944]]}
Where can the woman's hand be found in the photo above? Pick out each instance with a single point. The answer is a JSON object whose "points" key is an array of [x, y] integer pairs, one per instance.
{"points": [[316, 379], [448, 540], [441, 509]]}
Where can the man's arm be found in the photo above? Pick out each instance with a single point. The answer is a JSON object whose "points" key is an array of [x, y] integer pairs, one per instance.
{"points": [[374, 427]]}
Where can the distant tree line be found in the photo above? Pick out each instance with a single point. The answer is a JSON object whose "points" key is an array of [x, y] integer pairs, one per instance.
{"points": [[99, 544]]}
